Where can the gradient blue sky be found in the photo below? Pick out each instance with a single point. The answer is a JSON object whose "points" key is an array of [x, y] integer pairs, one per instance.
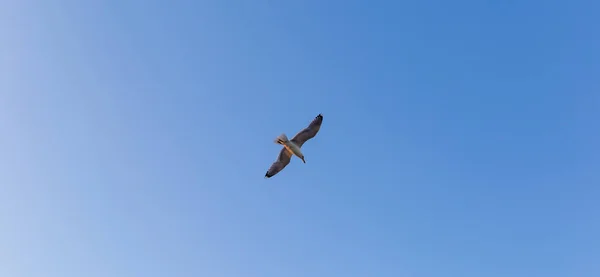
{"points": [[136, 134]]}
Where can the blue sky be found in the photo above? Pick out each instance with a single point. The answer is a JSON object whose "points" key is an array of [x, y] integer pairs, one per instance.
{"points": [[459, 138]]}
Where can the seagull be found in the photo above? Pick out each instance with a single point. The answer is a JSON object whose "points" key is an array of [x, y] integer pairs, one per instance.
{"points": [[292, 147]]}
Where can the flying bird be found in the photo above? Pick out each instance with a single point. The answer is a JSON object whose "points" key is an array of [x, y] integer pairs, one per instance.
{"points": [[292, 147]]}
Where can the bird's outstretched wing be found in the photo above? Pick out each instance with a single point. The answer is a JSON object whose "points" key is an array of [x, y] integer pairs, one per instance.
{"points": [[309, 132], [282, 161]]}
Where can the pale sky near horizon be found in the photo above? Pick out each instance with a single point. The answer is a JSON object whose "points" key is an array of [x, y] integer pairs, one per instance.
{"points": [[459, 138]]}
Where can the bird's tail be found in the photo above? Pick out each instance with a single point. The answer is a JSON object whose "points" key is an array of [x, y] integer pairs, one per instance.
{"points": [[281, 139]]}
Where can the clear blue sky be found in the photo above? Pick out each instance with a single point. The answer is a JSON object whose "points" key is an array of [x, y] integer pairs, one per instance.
{"points": [[460, 138]]}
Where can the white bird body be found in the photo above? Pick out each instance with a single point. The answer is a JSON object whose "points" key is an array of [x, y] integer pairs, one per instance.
{"points": [[293, 146], [295, 149], [289, 145]]}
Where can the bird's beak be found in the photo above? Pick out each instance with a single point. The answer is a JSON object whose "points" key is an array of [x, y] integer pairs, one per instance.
{"points": [[303, 160]]}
